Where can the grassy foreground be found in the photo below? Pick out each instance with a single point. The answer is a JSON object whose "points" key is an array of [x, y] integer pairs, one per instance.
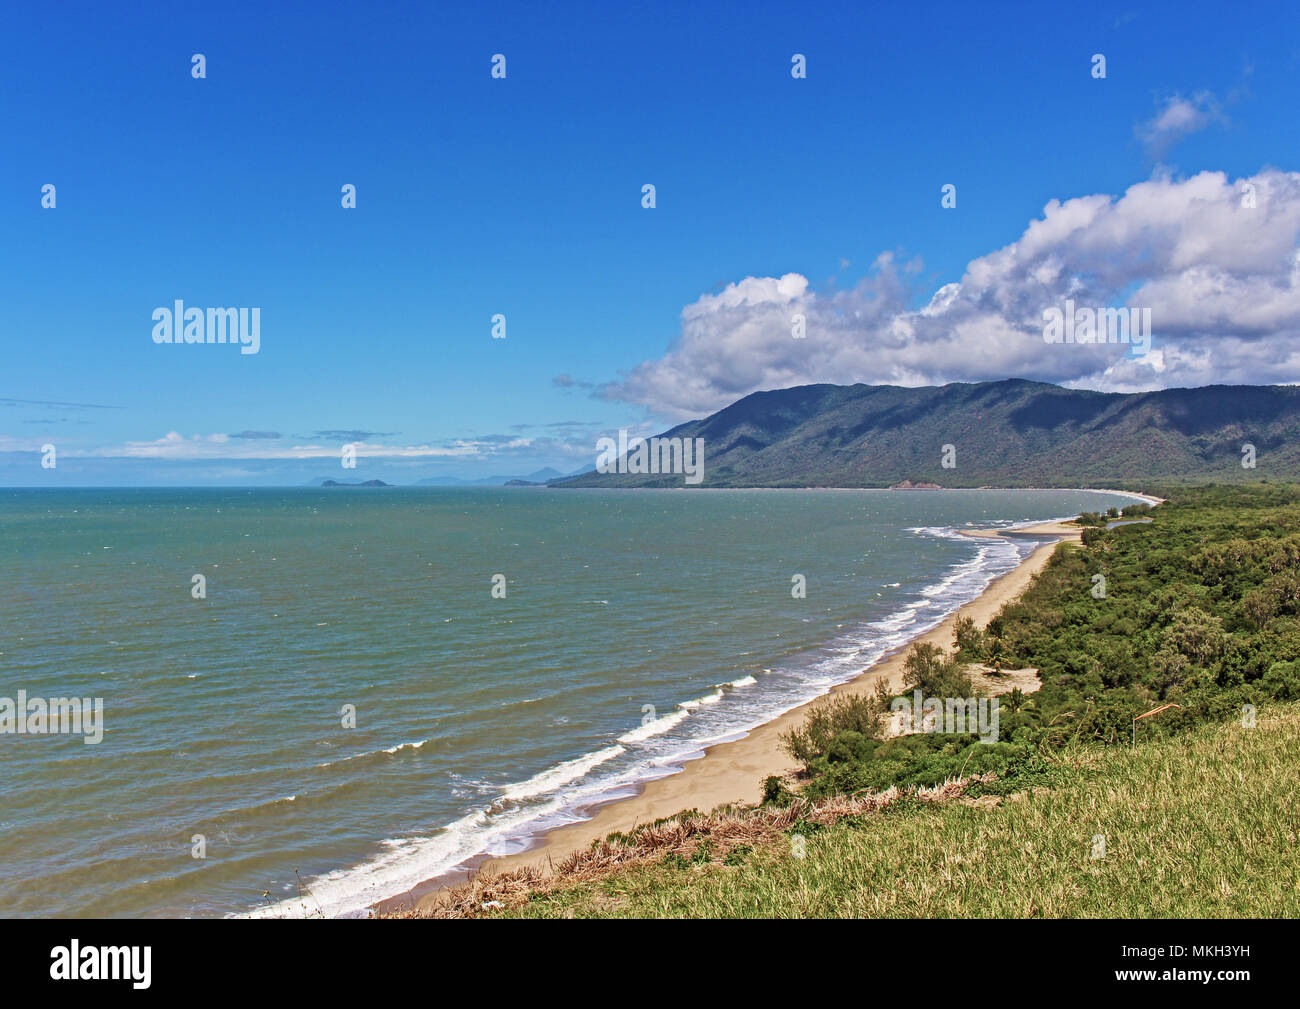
{"points": [[1203, 825]]}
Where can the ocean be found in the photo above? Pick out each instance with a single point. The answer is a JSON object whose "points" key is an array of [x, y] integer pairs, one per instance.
{"points": [[358, 703]]}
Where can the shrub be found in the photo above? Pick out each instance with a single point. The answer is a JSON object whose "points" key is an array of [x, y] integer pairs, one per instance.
{"points": [[858, 713], [1093, 535], [775, 793], [931, 670], [848, 745], [969, 640], [1282, 681]]}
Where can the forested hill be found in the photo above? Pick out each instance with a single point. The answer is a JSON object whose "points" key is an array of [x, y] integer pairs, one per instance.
{"points": [[1009, 433]]}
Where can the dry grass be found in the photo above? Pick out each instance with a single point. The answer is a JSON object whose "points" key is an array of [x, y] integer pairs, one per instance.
{"points": [[692, 838]]}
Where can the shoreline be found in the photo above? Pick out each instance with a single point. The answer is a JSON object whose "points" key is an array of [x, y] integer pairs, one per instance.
{"points": [[1139, 495], [733, 771]]}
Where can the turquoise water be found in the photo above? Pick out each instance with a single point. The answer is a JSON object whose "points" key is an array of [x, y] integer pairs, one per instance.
{"points": [[479, 721]]}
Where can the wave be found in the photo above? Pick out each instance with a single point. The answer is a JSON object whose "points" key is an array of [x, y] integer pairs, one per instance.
{"points": [[375, 753], [655, 727], [405, 746], [560, 774], [665, 723], [501, 828], [960, 573]]}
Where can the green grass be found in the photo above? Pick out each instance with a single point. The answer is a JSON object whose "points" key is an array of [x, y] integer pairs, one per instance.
{"points": [[1205, 824]]}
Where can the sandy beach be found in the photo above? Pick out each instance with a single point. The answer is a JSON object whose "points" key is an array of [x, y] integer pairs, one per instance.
{"points": [[734, 771]]}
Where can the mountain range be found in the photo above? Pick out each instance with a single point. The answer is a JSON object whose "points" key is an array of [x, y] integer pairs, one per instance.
{"points": [[1012, 433]]}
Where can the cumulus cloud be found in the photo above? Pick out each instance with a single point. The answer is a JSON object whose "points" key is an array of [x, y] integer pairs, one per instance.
{"points": [[1220, 275]]}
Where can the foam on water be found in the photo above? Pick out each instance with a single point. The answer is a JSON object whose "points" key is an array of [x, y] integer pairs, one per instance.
{"points": [[655, 727], [561, 774]]}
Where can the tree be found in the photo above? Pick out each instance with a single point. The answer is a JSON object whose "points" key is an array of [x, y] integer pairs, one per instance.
{"points": [[968, 639], [937, 674]]}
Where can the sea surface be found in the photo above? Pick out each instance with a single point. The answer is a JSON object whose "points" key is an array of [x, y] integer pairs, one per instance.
{"points": [[637, 627]]}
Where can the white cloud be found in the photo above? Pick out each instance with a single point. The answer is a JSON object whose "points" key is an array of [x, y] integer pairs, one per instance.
{"points": [[1222, 281], [1178, 118], [579, 445], [175, 446]]}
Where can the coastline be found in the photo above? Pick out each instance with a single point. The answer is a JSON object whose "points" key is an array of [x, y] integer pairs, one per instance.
{"points": [[733, 771]]}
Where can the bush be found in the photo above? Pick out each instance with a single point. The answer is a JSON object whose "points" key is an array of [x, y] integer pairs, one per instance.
{"points": [[931, 670], [969, 640], [775, 793], [1282, 681], [848, 745], [858, 713], [1092, 535]]}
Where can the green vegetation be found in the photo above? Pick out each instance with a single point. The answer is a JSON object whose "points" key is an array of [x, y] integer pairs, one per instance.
{"points": [[1199, 607], [834, 721]]}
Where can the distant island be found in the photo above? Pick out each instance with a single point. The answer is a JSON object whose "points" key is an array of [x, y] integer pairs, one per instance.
{"points": [[367, 483], [538, 478]]}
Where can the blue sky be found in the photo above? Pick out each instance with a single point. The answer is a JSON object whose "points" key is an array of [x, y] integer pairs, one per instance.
{"points": [[522, 196]]}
